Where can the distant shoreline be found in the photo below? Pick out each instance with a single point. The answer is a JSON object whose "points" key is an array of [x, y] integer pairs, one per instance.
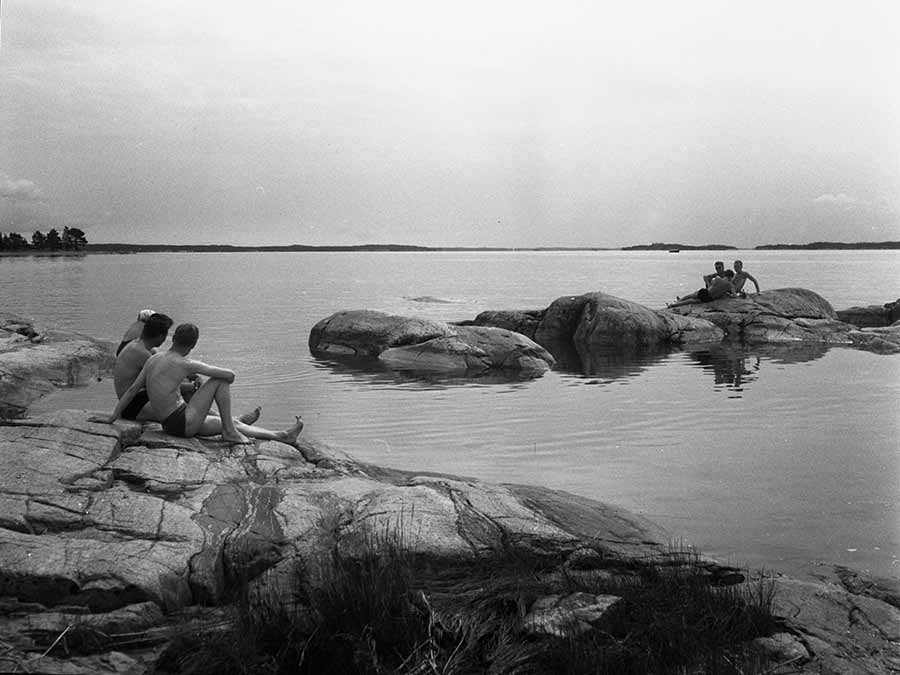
{"points": [[301, 248]]}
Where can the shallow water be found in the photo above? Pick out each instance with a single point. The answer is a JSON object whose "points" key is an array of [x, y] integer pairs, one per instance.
{"points": [[772, 457]]}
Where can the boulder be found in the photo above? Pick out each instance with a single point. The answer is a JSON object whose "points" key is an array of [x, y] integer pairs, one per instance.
{"points": [[596, 333], [871, 316], [568, 616], [34, 361], [421, 345], [601, 322], [782, 315], [597, 325]]}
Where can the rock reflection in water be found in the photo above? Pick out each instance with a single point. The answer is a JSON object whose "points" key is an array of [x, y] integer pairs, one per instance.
{"points": [[735, 365], [373, 372], [604, 364]]}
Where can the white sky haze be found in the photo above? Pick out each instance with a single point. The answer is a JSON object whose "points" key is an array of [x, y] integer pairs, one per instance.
{"points": [[451, 124]]}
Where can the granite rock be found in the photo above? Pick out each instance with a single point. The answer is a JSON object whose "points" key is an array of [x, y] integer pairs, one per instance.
{"points": [[34, 361], [871, 316], [420, 345]]}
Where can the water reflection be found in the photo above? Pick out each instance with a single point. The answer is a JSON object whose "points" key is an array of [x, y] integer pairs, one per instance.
{"points": [[733, 366], [373, 372], [736, 365]]}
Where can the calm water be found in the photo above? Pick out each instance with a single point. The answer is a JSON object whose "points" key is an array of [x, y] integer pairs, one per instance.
{"points": [[762, 456]]}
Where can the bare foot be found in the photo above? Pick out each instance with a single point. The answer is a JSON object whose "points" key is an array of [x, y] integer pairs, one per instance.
{"points": [[251, 417], [237, 437], [290, 434]]}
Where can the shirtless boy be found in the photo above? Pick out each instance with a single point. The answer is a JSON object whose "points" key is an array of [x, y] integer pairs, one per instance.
{"points": [[719, 273], [162, 375], [130, 361], [741, 277], [719, 288]]}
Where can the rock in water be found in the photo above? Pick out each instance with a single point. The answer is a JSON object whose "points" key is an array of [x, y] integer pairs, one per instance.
{"points": [[428, 346]]}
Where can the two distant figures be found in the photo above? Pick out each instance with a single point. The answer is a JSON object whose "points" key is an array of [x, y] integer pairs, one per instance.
{"points": [[720, 284], [169, 387]]}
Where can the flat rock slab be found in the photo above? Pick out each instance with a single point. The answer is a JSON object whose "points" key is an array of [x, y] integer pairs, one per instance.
{"points": [[100, 516], [121, 524]]}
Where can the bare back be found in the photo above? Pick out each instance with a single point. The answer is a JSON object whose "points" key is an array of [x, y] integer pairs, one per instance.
{"points": [[128, 365], [165, 371]]}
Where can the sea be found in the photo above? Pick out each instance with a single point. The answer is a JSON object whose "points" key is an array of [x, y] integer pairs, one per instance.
{"points": [[785, 459]]}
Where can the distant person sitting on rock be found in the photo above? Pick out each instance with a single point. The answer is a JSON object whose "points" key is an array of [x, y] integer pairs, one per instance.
{"points": [[133, 332], [130, 362], [719, 273], [740, 278], [719, 288], [162, 375]]}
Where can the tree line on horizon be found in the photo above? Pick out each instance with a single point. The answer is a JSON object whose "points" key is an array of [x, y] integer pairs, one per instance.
{"points": [[71, 239]]}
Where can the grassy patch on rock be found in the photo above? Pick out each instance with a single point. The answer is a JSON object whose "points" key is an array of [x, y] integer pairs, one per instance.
{"points": [[388, 610]]}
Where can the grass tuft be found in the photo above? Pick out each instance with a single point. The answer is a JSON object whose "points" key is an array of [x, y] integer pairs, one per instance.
{"points": [[389, 610]]}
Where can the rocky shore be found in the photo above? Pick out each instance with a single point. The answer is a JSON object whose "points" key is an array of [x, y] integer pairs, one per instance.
{"points": [[112, 530]]}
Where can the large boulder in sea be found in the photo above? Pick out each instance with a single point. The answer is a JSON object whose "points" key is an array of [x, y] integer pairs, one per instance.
{"points": [[409, 343], [781, 315], [592, 326], [35, 360]]}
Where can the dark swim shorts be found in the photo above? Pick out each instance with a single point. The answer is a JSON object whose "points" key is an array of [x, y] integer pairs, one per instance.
{"points": [[132, 409], [704, 296], [175, 423]]}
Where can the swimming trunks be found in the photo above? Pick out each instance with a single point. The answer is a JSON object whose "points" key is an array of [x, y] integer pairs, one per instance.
{"points": [[704, 296], [132, 409], [175, 423]]}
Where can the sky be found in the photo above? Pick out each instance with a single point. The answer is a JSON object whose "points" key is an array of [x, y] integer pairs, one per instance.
{"points": [[465, 123]]}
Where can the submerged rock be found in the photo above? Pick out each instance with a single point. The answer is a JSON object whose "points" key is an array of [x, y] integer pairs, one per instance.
{"points": [[422, 345]]}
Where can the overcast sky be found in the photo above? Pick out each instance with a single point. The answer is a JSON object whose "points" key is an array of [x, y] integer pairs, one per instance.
{"points": [[482, 123]]}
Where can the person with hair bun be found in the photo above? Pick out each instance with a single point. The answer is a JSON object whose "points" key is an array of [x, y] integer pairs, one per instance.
{"points": [[162, 375], [133, 332]]}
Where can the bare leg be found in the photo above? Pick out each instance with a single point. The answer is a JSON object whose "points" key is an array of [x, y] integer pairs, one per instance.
{"points": [[686, 300], [288, 435], [196, 415]]}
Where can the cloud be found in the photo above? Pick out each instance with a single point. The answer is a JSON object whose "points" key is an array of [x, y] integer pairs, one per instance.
{"points": [[839, 199], [19, 190]]}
